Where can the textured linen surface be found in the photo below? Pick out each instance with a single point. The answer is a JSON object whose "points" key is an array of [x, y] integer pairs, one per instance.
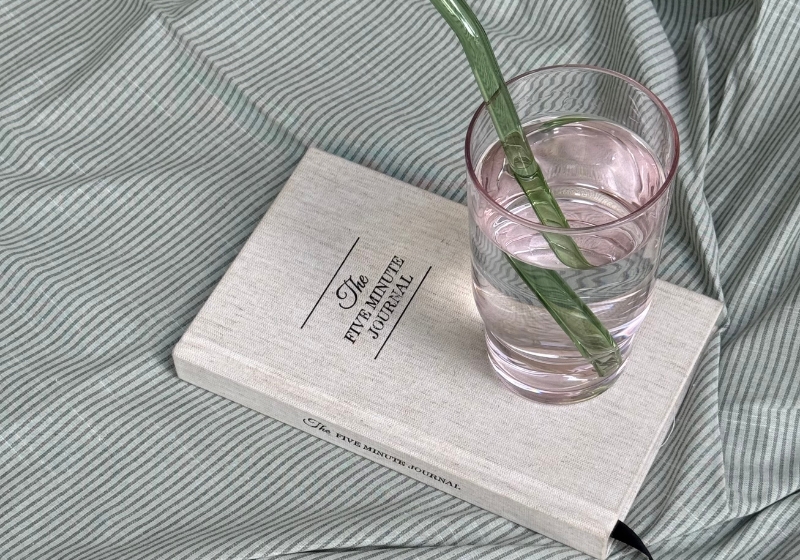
{"points": [[140, 143], [566, 475]]}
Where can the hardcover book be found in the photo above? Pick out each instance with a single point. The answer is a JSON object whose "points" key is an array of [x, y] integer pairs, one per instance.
{"points": [[348, 314]]}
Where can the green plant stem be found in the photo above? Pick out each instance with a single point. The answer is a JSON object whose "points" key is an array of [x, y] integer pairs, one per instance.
{"points": [[574, 317], [506, 122], [587, 333]]}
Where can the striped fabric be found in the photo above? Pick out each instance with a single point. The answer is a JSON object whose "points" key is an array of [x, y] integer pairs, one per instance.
{"points": [[142, 140]]}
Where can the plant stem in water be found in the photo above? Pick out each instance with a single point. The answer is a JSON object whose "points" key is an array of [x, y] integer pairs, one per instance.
{"points": [[587, 333]]}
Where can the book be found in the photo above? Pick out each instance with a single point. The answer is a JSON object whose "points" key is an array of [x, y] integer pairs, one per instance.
{"points": [[348, 314]]}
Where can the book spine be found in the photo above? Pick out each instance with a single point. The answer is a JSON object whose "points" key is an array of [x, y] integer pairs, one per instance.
{"points": [[320, 427], [187, 356]]}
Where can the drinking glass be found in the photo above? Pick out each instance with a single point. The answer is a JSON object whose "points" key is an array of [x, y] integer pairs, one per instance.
{"points": [[608, 149]]}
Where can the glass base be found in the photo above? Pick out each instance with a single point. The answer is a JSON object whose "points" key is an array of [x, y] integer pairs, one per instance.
{"points": [[546, 387]]}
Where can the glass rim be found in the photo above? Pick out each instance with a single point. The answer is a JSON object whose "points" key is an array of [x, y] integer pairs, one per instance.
{"points": [[662, 190]]}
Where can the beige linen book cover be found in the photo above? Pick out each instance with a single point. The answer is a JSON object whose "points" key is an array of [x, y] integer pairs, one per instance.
{"points": [[349, 315]]}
